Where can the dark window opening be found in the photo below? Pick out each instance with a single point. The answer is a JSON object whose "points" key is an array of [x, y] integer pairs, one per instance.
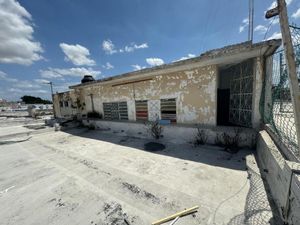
{"points": [[168, 109], [61, 104], [141, 110], [66, 104]]}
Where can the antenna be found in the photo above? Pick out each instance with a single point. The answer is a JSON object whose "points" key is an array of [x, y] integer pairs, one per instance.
{"points": [[250, 22]]}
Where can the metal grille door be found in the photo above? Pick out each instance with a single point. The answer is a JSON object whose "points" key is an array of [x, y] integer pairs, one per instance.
{"points": [[241, 91], [123, 111]]}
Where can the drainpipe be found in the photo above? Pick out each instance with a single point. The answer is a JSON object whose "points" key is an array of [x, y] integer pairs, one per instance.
{"points": [[92, 101]]}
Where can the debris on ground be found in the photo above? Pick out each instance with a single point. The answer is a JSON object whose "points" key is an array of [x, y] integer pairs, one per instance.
{"points": [[141, 193], [114, 214], [154, 146], [13, 141], [35, 126]]}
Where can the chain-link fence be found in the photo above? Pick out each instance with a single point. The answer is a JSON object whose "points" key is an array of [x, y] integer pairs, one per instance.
{"points": [[257, 208], [277, 103]]}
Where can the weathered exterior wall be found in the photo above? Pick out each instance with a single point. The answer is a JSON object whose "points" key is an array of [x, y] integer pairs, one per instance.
{"points": [[282, 177], [65, 112], [194, 90]]}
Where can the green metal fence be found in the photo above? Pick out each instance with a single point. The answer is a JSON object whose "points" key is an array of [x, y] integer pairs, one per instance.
{"points": [[277, 107]]}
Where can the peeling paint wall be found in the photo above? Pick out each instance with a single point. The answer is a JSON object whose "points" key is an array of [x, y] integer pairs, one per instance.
{"points": [[65, 112], [194, 90]]}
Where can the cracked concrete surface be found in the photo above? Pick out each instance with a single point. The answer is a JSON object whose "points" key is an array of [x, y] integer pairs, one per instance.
{"points": [[96, 177]]}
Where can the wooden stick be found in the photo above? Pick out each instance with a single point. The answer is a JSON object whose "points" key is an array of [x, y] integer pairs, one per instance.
{"points": [[182, 213], [174, 221]]}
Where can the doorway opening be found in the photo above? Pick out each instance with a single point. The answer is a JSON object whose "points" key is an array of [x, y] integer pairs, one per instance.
{"points": [[235, 92]]}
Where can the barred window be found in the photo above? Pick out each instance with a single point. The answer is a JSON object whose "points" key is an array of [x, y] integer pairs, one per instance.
{"points": [[141, 110], [168, 109], [115, 111]]}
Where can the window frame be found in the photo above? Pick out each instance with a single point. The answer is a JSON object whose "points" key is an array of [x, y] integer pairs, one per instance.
{"points": [[166, 109]]}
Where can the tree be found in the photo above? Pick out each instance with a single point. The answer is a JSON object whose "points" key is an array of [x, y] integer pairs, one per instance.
{"points": [[34, 100]]}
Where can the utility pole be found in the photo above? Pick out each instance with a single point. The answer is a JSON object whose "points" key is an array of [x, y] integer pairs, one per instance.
{"points": [[290, 59], [51, 88], [251, 18]]}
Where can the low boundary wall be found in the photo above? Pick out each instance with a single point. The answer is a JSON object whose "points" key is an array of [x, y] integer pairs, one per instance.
{"points": [[282, 176], [174, 133]]}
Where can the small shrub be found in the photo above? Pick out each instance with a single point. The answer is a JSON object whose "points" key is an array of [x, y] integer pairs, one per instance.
{"points": [[94, 115], [231, 143], [154, 128], [200, 137], [219, 140], [92, 126]]}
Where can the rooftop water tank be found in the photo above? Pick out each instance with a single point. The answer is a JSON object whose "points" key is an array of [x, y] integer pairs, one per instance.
{"points": [[87, 78]]}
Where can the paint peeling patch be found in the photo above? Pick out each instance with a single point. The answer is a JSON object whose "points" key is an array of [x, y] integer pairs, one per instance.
{"points": [[183, 84], [188, 114], [210, 89], [190, 74]]}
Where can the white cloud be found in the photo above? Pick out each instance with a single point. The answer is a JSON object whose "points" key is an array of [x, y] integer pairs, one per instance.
{"points": [[155, 61], [26, 84], [22, 91], [137, 67], [245, 23], [5, 77], [273, 5], [132, 47], [108, 47], [108, 66], [275, 21], [76, 71], [144, 45], [77, 54], [41, 81], [296, 14], [185, 57], [17, 44], [275, 35], [260, 29]]}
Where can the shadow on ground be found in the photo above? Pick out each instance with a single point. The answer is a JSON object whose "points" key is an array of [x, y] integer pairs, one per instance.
{"points": [[257, 209], [207, 154]]}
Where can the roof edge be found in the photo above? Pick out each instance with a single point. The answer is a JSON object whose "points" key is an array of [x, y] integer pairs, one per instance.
{"points": [[270, 45]]}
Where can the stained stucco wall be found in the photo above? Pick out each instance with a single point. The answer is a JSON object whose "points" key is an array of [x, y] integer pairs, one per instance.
{"points": [[194, 90], [69, 111]]}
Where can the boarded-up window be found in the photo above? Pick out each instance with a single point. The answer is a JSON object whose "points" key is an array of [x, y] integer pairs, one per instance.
{"points": [[141, 109], [115, 111], [168, 109]]}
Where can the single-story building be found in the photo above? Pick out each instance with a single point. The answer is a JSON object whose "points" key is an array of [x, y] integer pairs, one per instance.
{"points": [[219, 87]]}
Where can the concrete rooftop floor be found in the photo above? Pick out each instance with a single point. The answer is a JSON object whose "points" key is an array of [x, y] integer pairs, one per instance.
{"points": [[79, 176]]}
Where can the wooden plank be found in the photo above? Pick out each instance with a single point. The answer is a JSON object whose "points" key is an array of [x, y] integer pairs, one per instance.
{"points": [[182, 213]]}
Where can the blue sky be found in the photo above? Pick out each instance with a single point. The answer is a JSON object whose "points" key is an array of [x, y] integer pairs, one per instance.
{"points": [[60, 40]]}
